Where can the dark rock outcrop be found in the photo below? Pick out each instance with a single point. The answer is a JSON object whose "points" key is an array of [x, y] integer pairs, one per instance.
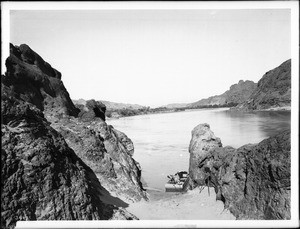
{"points": [[253, 181], [273, 90], [41, 177], [47, 175], [108, 152], [33, 80]]}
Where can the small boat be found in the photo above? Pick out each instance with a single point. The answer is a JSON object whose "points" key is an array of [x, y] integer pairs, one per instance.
{"points": [[177, 182]]}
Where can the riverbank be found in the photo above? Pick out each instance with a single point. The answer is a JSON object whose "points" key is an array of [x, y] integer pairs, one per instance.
{"points": [[233, 109], [286, 108], [192, 205], [239, 109], [165, 112]]}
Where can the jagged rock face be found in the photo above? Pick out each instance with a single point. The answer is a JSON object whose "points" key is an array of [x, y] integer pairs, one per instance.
{"points": [[203, 139], [127, 183], [35, 81], [240, 92], [108, 152], [273, 90], [237, 93], [41, 177], [253, 181]]}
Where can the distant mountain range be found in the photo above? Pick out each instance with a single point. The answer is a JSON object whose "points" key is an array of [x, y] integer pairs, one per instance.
{"points": [[236, 94], [112, 105], [176, 105], [273, 91]]}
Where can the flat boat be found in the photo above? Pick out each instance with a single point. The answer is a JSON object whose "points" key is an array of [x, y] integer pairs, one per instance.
{"points": [[177, 182]]}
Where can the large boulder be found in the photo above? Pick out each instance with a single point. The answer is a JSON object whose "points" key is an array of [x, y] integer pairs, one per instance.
{"points": [[253, 181], [203, 139]]}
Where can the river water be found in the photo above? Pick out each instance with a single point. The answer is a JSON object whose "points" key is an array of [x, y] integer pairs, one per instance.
{"points": [[161, 141]]}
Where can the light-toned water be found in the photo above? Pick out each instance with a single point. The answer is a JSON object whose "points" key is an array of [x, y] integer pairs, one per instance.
{"points": [[161, 141]]}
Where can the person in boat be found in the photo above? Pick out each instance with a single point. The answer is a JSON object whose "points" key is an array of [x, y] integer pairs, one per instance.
{"points": [[174, 178], [179, 176]]}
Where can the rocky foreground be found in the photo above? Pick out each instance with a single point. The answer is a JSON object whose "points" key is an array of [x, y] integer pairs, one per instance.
{"points": [[253, 181], [59, 162], [41, 177]]}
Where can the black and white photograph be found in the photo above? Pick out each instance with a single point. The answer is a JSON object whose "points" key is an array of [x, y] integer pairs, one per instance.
{"points": [[149, 114]]}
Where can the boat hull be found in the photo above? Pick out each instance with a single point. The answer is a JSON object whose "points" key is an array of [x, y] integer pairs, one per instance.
{"points": [[179, 187]]}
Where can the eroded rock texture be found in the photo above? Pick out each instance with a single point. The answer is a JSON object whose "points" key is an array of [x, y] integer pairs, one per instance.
{"points": [[236, 94], [273, 90], [41, 177], [253, 181], [35, 81], [46, 175], [203, 139], [108, 152]]}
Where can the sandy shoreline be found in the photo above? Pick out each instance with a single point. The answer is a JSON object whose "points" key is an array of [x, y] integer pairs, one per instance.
{"points": [[191, 205]]}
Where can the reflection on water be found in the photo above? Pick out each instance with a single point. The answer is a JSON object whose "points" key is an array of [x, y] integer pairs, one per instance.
{"points": [[161, 141]]}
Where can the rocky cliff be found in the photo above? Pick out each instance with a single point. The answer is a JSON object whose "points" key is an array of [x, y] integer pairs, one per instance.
{"points": [[237, 93], [253, 181], [41, 176], [108, 152], [47, 175], [273, 90], [35, 81]]}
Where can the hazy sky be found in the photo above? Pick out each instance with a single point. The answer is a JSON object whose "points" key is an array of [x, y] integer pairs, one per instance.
{"points": [[155, 57]]}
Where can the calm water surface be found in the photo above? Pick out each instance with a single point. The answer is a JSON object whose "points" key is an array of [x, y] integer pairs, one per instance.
{"points": [[161, 141]]}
